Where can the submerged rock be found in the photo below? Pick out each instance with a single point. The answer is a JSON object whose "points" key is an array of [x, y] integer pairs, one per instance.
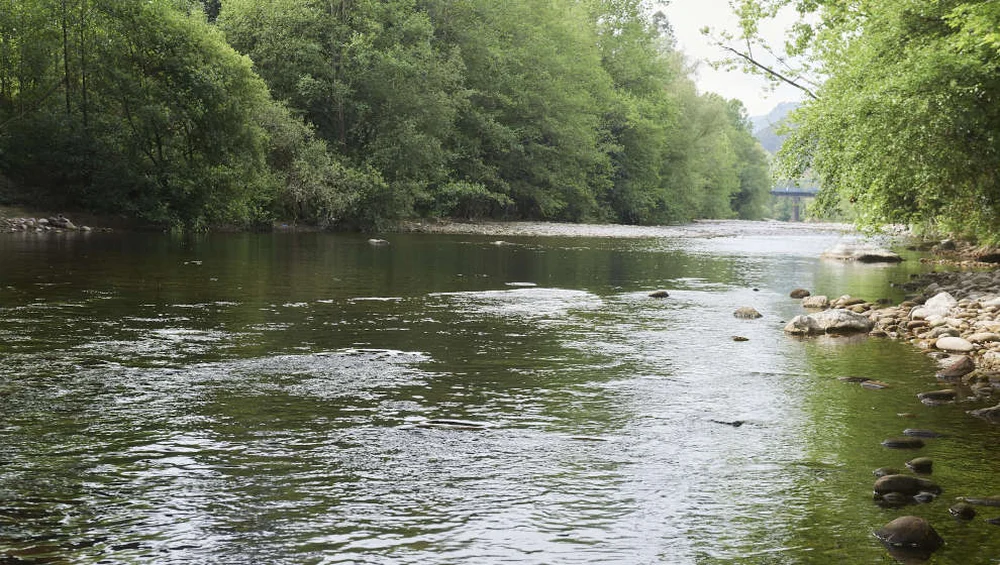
{"points": [[903, 443], [854, 380], [923, 465], [917, 432], [991, 414], [449, 424], [894, 500], [962, 511], [937, 397], [872, 384], [905, 484], [910, 532], [991, 501]]}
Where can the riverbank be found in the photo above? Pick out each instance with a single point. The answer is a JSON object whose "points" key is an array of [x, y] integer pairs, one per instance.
{"points": [[695, 229], [955, 314], [24, 220]]}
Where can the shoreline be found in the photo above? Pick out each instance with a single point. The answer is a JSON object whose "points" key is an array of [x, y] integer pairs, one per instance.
{"points": [[694, 229]]}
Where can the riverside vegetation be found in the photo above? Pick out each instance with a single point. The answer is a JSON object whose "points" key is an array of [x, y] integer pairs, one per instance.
{"points": [[901, 116], [357, 113]]}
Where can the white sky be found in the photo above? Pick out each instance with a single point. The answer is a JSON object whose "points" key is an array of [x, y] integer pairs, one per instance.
{"points": [[687, 18]]}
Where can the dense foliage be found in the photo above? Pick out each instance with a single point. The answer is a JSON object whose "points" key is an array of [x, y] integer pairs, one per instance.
{"points": [[906, 125], [357, 112]]}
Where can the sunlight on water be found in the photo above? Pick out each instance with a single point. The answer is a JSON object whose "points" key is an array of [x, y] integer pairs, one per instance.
{"points": [[310, 399]]}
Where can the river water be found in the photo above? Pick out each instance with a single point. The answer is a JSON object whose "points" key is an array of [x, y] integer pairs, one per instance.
{"points": [[245, 398]]}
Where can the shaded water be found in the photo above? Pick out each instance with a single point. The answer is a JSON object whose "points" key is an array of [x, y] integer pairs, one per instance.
{"points": [[258, 399]]}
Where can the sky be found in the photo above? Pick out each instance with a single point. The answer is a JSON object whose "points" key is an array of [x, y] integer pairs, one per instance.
{"points": [[687, 18]]}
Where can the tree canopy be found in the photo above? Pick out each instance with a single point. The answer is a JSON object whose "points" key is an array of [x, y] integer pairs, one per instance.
{"points": [[904, 127], [354, 113]]}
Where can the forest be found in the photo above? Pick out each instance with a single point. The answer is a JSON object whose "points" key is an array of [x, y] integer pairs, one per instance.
{"points": [[353, 114]]}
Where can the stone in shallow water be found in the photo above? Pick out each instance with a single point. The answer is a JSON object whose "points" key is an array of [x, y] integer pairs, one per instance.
{"points": [[659, 294], [799, 293], [962, 366], [861, 252], [836, 321], [962, 511], [903, 443], [922, 465], [936, 397], [747, 313], [917, 432], [991, 414], [910, 532], [874, 385], [894, 500], [991, 501], [905, 484]]}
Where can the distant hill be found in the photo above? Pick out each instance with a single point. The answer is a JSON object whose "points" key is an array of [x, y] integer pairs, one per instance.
{"points": [[764, 127]]}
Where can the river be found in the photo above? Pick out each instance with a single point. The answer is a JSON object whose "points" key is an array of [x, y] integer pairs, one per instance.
{"points": [[265, 398]]}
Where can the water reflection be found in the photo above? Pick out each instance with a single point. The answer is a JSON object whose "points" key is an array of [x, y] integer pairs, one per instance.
{"points": [[248, 398]]}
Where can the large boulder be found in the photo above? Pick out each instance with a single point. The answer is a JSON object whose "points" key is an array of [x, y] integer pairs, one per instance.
{"points": [[836, 321], [861, 252]]}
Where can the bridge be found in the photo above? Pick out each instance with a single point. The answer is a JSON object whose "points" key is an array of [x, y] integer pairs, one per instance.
{"points": [[792, 190]]}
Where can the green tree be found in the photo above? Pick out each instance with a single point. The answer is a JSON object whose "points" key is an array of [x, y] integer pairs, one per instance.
{"points": [[155, 113], [368, 74], [905, 125]]}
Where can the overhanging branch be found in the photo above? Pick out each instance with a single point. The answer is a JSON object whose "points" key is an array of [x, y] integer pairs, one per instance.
{"points": [[770, 71]]}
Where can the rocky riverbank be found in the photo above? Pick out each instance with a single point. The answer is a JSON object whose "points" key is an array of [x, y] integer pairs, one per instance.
{"points": [[953, 316], [32, 224]]}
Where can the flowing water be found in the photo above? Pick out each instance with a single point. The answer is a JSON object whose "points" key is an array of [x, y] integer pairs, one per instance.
{"points": [[242, 398]]}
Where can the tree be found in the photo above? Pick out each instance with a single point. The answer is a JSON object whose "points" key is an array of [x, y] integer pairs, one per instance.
{"points": [[156, 117], [905, 125]]}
